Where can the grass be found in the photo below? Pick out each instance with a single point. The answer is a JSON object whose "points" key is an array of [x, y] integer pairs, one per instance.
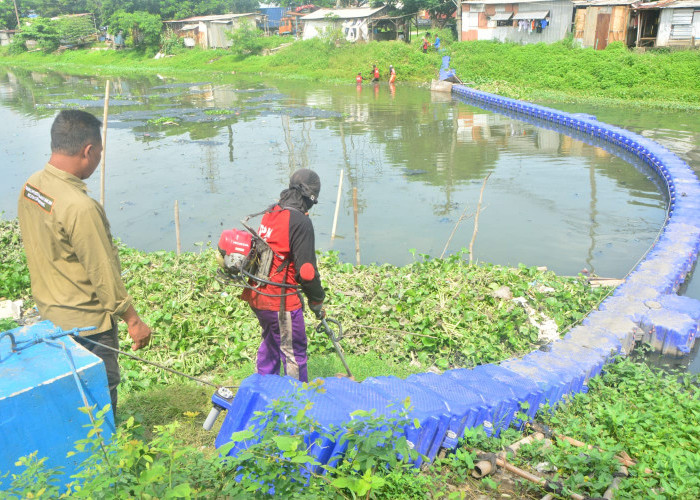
{"points": [[559, 71]]}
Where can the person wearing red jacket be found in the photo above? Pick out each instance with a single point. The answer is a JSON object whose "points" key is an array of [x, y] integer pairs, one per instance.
{"points": [[287, 228]]}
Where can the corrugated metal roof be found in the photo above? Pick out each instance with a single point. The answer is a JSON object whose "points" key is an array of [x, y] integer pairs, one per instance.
{"points": [[670, 4], [533, 14], [341, 13], [600, 3], [506, 2], [220, 17], [501, 16]]}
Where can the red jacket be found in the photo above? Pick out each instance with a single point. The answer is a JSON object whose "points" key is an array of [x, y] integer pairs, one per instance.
{"points": [[290, 234]]}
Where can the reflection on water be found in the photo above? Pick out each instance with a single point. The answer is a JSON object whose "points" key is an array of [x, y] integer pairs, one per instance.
{"points": [[226, 149]]}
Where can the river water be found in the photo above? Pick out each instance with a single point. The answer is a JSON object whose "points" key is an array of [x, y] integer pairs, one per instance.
{"points": [[224, 149]]}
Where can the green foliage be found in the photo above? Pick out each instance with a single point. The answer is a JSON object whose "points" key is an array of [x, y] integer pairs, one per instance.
{"points": [[170, 42], [14, 278], [141, 28], [613, 74], [439, 312], [648, 413], [246, 40], [74, 30], [279, 455], [42, 30]]}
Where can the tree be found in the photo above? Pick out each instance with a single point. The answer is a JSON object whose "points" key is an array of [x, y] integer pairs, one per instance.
{"points": [[142, 27], [42, 30], [247, 39], [8, 19], [440, 10]]}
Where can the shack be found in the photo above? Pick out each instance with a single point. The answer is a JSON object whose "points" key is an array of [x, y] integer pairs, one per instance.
{"points": [[669, 23], [209, 32], [383, 28], [600, 22], [354, 23], [526, 21], [6, 37]]}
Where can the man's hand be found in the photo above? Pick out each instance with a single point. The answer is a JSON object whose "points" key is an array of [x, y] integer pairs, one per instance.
{"points": [[138, 330], [140, 333], [318, 310]]}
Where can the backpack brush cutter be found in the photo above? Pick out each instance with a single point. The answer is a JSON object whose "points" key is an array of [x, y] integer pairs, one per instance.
{"points": [[245, 261]]}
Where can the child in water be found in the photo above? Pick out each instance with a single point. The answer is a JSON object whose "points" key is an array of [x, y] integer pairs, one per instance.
{"points": [[358, 78]]}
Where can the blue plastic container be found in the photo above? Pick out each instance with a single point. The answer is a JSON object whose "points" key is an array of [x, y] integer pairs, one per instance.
{"points": [[39, 397]]}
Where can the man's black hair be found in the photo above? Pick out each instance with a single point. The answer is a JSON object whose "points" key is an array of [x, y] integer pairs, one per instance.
{"points": [[72, 130]]}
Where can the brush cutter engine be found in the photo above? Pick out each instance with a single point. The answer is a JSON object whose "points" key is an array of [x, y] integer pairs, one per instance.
{"points": [[243, 254]]}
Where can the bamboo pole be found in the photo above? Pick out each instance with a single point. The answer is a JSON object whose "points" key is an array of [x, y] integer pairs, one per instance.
{"points": [[177, 227], [104, 145], [357, 230], [337, 205], [464, 214], [476, 218]]}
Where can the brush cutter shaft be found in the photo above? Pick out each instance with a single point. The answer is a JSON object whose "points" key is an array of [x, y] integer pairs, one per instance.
{"points": [[323, 327]]}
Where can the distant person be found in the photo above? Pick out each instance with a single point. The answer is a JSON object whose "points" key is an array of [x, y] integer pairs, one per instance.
{"points": [[358, 78], [437, 42], [119, 40], [426, 43], [375, 73], [73, 262], [392, 74]]}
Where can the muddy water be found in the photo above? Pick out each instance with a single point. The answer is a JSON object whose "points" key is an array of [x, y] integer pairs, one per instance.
{"points": [[226, 149]]}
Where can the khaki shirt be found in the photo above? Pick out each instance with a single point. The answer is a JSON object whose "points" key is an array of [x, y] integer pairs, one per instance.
{"points": [[73, 263]]}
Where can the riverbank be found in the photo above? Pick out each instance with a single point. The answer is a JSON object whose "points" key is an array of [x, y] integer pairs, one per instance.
{"points": [[205, 330], [557, 72]]}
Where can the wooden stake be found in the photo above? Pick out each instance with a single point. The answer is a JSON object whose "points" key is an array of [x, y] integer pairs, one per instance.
{"points": [[464, 214], [357, 229], [476, 218], [177, 227], [337, 205], [104, 145]]}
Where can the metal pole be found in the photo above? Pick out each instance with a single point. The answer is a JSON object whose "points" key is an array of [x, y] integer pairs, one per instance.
{"points": [[337, 204], [104, 145]]}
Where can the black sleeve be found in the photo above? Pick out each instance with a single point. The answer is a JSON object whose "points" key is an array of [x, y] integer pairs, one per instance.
{"points": [[303, 249]]}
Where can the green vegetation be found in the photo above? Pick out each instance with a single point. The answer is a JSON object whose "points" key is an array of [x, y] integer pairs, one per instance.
{"points": [[433, 312], [650, 414], [557, 71]]}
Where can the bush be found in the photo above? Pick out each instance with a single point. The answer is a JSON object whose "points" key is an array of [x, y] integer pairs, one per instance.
{"points": [[142, 29], [170, 43], [42, 30], [246, 40]]}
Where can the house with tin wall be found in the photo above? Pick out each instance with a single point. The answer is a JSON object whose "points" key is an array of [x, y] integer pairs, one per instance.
{"points": [[600, 22], [666, 23], [525, 21], [669, 23]]}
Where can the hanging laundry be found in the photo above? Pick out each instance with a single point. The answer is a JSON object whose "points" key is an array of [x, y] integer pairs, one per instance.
{"points": [[544, 23]]}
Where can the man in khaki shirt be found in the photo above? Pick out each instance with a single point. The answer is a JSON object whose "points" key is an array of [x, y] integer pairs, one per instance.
{"points": [[73, 263]]}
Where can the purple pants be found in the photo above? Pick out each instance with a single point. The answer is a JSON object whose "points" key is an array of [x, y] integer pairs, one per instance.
{"points": [[283, 339]]}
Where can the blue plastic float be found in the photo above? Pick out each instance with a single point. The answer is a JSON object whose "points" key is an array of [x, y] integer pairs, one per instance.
{"points": [[645, 307]]}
